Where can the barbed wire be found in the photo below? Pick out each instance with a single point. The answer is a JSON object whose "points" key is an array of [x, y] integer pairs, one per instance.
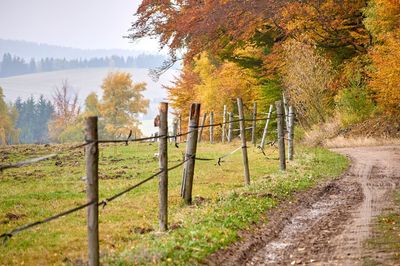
{"points": [[103, 203], [42, 158], [17, 230]]}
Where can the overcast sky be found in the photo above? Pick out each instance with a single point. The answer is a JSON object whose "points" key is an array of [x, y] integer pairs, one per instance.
{"points": [[88, 24]]}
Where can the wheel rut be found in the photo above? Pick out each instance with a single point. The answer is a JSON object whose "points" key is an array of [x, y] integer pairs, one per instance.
{"points": [[329, 224]]}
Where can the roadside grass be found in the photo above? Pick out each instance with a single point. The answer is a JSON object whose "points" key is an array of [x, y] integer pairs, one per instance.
{"points": [[128, 226], [386, 235]]}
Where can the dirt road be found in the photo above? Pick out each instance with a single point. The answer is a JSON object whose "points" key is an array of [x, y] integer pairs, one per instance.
{"points": [[328, 225]]}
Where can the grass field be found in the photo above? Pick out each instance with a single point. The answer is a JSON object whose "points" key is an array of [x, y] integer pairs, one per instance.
{"points": [[128, 226], [386, 234]]}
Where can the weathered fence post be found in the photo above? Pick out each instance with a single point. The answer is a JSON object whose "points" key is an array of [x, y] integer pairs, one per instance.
{"points": [[243, 138], [253, 127], [175, 129], [92, 189], [286, 109], [211, 127], [202, 125], [191, 152], [291, 133], [230, 128], [163, 162], [180, 127], [264, 136], [223, 125], [281, 135]]}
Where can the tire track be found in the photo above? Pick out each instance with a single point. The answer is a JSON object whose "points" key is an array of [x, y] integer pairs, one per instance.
{"points": [[331, 224]]}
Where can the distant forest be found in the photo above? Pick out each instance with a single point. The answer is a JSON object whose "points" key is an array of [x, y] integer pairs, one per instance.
{"points": [[12, 65]]}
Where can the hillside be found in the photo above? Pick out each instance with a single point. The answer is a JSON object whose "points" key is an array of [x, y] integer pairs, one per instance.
{"points": [[83, 82], [28, 50]]}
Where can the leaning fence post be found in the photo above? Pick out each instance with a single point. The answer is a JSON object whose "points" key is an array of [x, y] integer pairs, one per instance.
{"points": [[281, 135], [202, 125], [291, 133], [264, 136], [191, 152], [253, 127], [92, 189], [223, 125], [163, 162], [230, 128], [243, 138]]}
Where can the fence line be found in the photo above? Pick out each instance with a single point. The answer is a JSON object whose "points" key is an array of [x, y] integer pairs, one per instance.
{"points": [[189, 162]]}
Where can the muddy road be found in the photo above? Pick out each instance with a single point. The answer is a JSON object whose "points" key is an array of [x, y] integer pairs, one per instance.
{"points": [[329, 224]]}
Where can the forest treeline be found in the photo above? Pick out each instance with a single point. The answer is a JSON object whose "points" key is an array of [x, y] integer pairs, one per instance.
{"points": [[12, 65], [334, 60], [61, 119]]}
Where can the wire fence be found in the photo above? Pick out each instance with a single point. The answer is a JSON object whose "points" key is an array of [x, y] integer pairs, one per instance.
{"points": [[188, 162]]}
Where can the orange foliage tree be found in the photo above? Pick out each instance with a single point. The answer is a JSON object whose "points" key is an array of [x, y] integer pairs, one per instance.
{"points": [[383, 20]]}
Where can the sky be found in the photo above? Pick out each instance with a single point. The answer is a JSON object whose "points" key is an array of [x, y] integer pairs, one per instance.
{"points": [[86, 24]]}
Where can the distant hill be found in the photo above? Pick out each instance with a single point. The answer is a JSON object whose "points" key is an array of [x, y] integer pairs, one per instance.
{"points": [[28, 50], [85, 81]]}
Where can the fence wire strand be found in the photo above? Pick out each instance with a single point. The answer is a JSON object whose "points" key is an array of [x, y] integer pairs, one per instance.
{"points": [[103, 203], [43, 158]]}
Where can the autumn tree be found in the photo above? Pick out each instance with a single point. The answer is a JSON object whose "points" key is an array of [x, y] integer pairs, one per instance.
{"points": [[121, 104], [307, 77], [383, 21], [8, 116], [67, 110]]}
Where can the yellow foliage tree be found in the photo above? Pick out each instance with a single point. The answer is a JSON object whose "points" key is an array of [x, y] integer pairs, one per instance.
{"points": [[8, 116], [307, 77], [122, 102]]}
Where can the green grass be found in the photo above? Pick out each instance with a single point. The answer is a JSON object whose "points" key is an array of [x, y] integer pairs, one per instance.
{"points": [[386, 235], [222, 205]]}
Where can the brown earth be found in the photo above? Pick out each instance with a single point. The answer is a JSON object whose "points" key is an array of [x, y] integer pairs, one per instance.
{"points": [[327, 225]]}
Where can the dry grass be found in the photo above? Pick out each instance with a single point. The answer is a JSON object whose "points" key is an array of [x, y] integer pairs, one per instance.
{"points": [[342, 142], [320, 133]]}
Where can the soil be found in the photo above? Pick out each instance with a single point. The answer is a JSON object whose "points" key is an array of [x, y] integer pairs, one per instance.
{"points": [[327, 225]]}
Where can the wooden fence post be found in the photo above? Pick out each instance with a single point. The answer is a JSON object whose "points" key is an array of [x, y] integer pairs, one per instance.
{"points": [[202, 125], [180, 127], [175, 129], [243, 138], [291, 133], [281, 135], [92, 189], [163, 163], [253, 127], [286, 109], [223, 125], [211, 127], [191, 152], [264, 136], [230, 128]]}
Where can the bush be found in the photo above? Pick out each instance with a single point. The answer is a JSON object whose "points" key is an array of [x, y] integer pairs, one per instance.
{"points": [[354, 104]]}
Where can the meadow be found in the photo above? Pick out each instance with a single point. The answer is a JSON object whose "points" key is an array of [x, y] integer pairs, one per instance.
{"points": [[129, 226]]}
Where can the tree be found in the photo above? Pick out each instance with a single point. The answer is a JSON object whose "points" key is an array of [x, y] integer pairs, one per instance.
{"points": [[66, 111], [8, 114], [384, 23], [307, 77], [121, 104]]}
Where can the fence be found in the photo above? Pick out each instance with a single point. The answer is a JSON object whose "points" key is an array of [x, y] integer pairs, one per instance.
{"points": [[193, 135]]}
